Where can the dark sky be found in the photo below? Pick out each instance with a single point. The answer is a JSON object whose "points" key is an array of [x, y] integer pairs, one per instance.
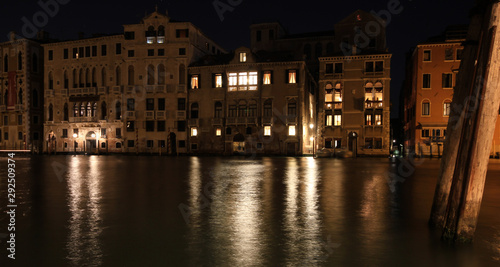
{"points": [[419, 20]]}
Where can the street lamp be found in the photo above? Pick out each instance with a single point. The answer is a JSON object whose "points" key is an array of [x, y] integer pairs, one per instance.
{"points": [[75, 135]]}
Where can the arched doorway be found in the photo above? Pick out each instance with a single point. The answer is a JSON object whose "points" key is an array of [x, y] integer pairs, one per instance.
{"points": [[353, 143], [239, 144], [172, 144], [90, 142]]}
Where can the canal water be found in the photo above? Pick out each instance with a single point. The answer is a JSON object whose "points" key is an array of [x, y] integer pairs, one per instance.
{"points": [[211, 211]]}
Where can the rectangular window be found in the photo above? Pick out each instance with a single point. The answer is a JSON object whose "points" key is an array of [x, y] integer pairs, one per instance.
{"points": [[94, 51], [243, 57], [51, 54], [161, 52], [339, 68], [337, 142], [243, 81], [150, 104], [337, 119], [218, 80], [118, 48], [426, 109], [81, 52], [104, 50], [292, 109], [427, 55], [151, 52], [130, 104], [378, 119], [20, 135], [267, 77], [160, 125], [460, 51], [87, 51], [161, 103], [149, 143], [6, 136], [447, 80], [329, 68], [103, 132], [130, 143], [259, 36], [425, 132], [291, 130], [182, 51], [130, 126], [368, 119], [64, 133], [218, 131], [446, 109], [182, 143], [118, 132], [181, 126], [448, 54], [378, 143], [66, 53], [267, 130], [195, 81], [427, 80], [329, 120], [19, 119], [194, 131], [75, 52], [131, 53], [374, 66], [129, 35], [182, 33], [292, 76], [150, 126], [181, 104]]}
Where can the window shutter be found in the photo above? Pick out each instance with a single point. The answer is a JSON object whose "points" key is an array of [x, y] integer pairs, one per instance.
{"points": [[272, 77], [443, 80], [297, 76], [213, 80]]}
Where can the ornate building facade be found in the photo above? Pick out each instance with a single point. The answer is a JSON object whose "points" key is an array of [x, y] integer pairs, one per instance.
{"points": [[21, 91], [122, 93]]}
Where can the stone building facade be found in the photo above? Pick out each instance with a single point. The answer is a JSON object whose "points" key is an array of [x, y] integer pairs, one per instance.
{"points": [[249, 104], [21, 91], [122, 93]]}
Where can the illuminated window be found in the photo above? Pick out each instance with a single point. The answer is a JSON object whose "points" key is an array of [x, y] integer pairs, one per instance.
{"points": [[267, 77], [243, 57], [150, 40], [378, 119], [160, 39], [426, 108], [252, 80], [267, 130], [368, 120], [194, 82], [446, 108], [292, 76], [291, 130], [242, 81], [337, 119], [194, 131], [329, 120], [218, 132], [218, 80], [233, 81]]}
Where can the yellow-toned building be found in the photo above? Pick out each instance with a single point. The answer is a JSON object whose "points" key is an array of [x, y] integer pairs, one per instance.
{"points": [[244, 103], [122, 93], [21, 91]]}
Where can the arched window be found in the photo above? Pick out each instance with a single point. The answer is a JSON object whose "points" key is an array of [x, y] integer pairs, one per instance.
{"points": [[81, 79], [242, 109], [151, 75], [6, 63], [20, 96], [131, 73], [34, 62], [94, 83], [75, 110], [182, 74], [329, 49], [426, 107], [318, 50], [307, 51], [292, 108], [89, 109], [194, 111], [66, 80], [161, 74], [82, 109], [151, 32], [252, 109], [6, 97], [118, 76], [20, 61], [51, 113], [35, 98], [268, 108], [87, 78], [446, 107], [66, 112], [161, 30], [104, 111], [94, 110], [103, 77], [51, 80], [118, 110], [75, 80], [218, 110]]}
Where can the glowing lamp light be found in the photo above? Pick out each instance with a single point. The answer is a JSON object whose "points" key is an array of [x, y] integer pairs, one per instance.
{"points": [[311, 125], [93, 135], [312, 139], [75, 135]]}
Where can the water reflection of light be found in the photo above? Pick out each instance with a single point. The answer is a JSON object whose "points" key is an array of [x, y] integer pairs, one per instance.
{"points": [[193, 210], [304, 244], [85, 208]]}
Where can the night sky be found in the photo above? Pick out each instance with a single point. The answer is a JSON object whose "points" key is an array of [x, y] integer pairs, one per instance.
{"points": [[419, 20]]}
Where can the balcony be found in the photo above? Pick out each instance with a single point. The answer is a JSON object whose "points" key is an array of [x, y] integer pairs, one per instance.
{"points": [[150, 89], [64, 92], [181, 115], [291, 120], [181, 88], [373, 104], [82, 119], [217, 121], [241, 120], [130, 89], [231, 121], [160, 89], [19, 107], [267, 120], [3, 108], [150, 115], [160, 115], [130, 115], [75, 91], [193, 123], [49, 92], [252, 120], [103, 90], [374, 73], [117, 89]]}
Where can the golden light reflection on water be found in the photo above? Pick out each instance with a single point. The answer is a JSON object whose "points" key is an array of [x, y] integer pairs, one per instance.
{"points": [[84, 184]]}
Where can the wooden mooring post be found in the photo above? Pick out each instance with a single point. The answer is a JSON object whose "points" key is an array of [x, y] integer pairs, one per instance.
{"points": [[471, 127]]}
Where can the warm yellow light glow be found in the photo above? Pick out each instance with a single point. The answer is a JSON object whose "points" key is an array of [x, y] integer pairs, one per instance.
{"points": [[311, 125], [291, 130], [93, 135], [312, 138], [75, 135], [194, 131], [218, 132], [267, 130]]}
